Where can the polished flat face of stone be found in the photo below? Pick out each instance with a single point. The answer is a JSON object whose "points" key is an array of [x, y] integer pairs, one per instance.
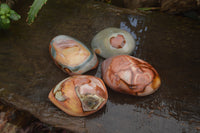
{"points": [[71, 55], [113, 41], [68, 51]]}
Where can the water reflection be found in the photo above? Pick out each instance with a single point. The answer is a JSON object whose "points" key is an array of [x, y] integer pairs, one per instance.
{"points": [[126, 118], [136, 25]]}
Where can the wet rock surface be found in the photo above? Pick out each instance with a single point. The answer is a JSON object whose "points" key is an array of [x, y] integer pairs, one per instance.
{"points": [[178, 6], [169, 6], [133, 4], [169, 43]]}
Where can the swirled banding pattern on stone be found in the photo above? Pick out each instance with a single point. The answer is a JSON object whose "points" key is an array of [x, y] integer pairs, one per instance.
{"points": [[127, 74], [71, 55], [79, 95]]}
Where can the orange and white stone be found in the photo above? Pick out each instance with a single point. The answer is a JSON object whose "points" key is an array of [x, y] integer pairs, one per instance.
{"points": [[79, 95]]}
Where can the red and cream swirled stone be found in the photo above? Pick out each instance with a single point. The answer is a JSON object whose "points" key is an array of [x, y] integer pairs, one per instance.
{"points": [[127, 74]]}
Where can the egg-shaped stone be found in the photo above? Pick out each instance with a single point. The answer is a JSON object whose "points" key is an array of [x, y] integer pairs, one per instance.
{"points": [[71, 55], [130, 75], [113, 41], [79, 95]]}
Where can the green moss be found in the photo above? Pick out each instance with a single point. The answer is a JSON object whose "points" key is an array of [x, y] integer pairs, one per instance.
{"points": [[7, 14]]}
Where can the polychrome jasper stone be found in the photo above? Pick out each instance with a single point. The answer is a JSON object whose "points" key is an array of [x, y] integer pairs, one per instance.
{"points": [[127, 74], [71, 55], [113, 41], [79, 95]]}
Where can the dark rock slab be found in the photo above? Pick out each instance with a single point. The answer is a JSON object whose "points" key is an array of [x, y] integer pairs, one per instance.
{"points": [[179, 6], [169, 6], [170, 44]]}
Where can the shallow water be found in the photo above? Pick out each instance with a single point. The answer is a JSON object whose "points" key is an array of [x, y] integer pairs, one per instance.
{"points": [[169, 43]]}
